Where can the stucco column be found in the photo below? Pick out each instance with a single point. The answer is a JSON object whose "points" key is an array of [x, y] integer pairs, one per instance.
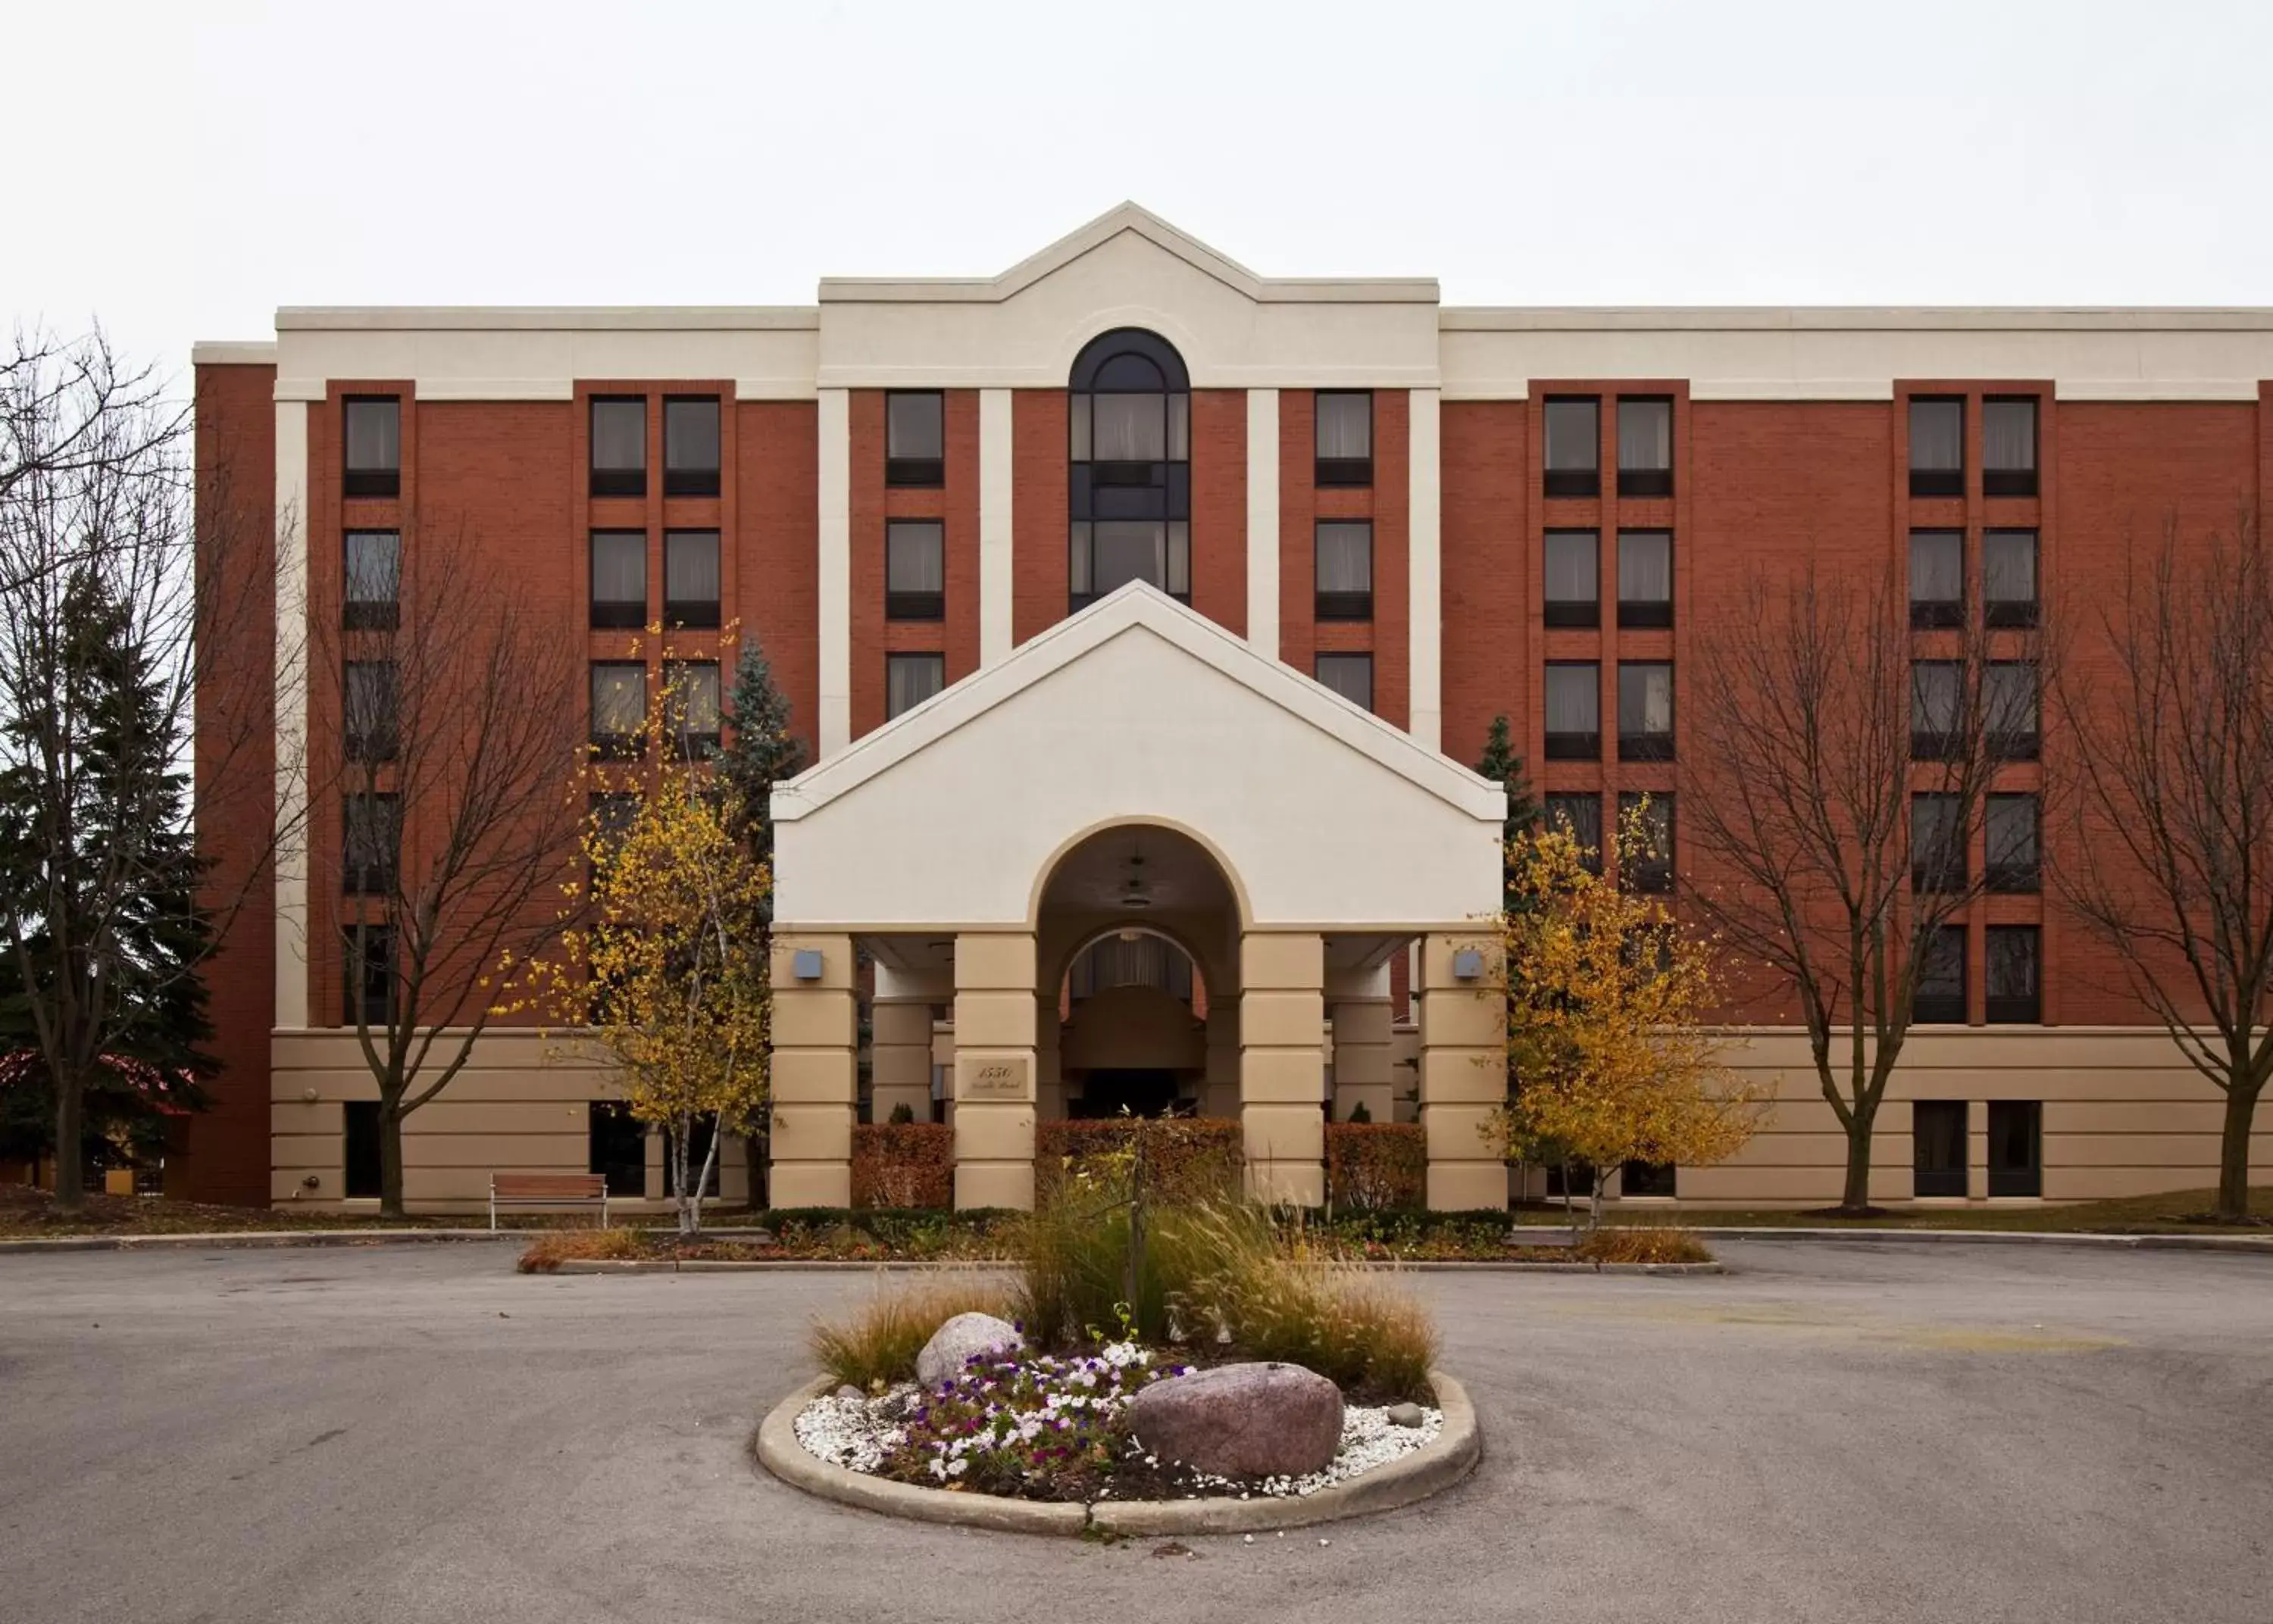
{"points": [[1358, 1004], [899, 1042], [1282, 1060], [995, 1067], [1049, 1059], [1463, 1068], [815, 1071], [1219, 1092]]}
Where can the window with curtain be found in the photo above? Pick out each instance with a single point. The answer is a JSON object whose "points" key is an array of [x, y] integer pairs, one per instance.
{"points": [[1351, 676], [2016, 1146], [915, 569], [2008, 570], [1937, 862], [619, 708], [1574, 711], [691, 705], [1107, 554], [1937, 1147], [1940, 993], [619, 579], [372, 435], [367, 707], [690, 577], [1651, 868], [1645, 577], [372, 583], [1581, 817], [915, 437], [2014, 865], [690, 446], [1645, 448], [1129, 474], [1345, 438], [2015, 997], [911, 679], [2008, 447], [1937, 578], [1937, 697], [2009, 704], [1937, 446], [1574, 447], [1132, 961], [1345, 567], [371, 833], [1645, 711], [1573, 588], [619, 446]]}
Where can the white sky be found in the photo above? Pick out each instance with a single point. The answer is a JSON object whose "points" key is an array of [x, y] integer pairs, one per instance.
{"points": [[193, 164]]}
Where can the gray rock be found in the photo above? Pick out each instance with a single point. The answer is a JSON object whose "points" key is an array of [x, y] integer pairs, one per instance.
{"points": [[953, 1343], [1405, 1415], [849, 1391], [1252, 1420]]}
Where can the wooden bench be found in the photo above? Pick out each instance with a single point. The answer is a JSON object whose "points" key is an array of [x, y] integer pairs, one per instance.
{"points": [[548, 1190]]}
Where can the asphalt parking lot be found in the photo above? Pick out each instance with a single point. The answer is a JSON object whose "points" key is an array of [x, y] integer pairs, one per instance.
{"points": [[1834, 1433]]}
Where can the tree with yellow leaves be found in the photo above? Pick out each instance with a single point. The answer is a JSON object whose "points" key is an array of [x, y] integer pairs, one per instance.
{"points": [[1607, 994], [663, 960]]}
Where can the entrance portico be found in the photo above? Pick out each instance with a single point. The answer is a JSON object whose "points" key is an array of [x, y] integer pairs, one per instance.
{"points": [[1136, 775]]}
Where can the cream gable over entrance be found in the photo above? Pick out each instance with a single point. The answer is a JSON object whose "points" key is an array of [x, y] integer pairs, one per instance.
{"points": [[1328, 839]]}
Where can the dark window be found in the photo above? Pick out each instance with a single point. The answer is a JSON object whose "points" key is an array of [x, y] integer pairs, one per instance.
{"points": [[1345, 567], [1351, 676], [618, 1142], [1936, 579], [1108, 554], [1574, 1179], [1574, 447], [690, 446], [1581, 817], [911, 679], [371, 838], [610, 814], [619, 579], [1574, 710], [2014, 987], [1936, 844], [359, 1130], [367, 707], [1938, 1150], [2016, 1147], [915, 569], [1647, 1178], [1575, 587], [2009, 571], [1941, 977], [619, 447], [1937, 446], [368, 988], [1129, 477], [1645, 448], [691, 706], [2009, 704], [1345, 431], [915, 437], [372, 432], [1645, 711], [1650, 868], [618, 708], [1645, 577], [2015, 860], [698, 1152], [2008, 447], [373, 583], [1937, 694], [690, 578]]}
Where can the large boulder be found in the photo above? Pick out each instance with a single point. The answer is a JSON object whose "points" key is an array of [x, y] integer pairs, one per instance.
{"points": [[954, 1344], [1251, 1420]]}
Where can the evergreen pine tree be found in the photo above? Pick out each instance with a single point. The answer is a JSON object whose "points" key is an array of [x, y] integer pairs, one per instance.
{"points": [[1504, 766]]}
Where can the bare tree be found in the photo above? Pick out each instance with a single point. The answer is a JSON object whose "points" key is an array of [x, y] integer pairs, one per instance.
{"points": [[126, 585], [458, 719], [1815, 718], [2170, 707]]}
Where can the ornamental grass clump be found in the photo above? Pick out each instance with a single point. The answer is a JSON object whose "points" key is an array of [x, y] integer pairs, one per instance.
{"points": [[877, 1344]]}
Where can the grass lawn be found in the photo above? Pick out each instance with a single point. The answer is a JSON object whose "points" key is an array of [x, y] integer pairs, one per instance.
{"points": [[27, 1213], [2169, 1214]]}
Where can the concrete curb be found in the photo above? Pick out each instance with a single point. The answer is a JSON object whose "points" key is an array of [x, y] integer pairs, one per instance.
{"points": [[251, 1238], [736, 1265], [2260, 1246], [1414, 1476]]}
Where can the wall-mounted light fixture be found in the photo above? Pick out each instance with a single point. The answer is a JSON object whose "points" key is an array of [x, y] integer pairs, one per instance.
{"points": [[1467, 964], [806, 964]]}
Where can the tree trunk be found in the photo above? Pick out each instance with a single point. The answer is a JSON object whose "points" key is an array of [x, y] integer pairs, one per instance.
{"points": [[1855, 1196], [390, 1157], [2232, 1153], [70, 1154]]}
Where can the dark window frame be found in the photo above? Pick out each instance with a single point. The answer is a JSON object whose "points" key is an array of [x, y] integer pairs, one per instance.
{"points": [[377, 876], [381, 742], [615, 614], [915, 472], [695, 481], [1647, 746], [903, 605], [694, 746], [1649, 1174], [1341, 471], [1939, 1178], [2013, 612], [1652, 874], [1115, 491], [613, 481], [1944, 1008], [615, 746], [357, 1005], [2010, 876], [1937, 482], [694, 614], [1937, 614], [2013, 1008], [1997, 481], [2021, 1119], [1952, 875], [1350, 657], [1576, 746], [2013, 743], [1554, 809], [1646, 614], [368, 614], [361, 1175], [610, 1130], [376, 481], [1570, 613], [1926, 745], [1571, 482], [937, 655], [1644, 482], [1341, 605]]}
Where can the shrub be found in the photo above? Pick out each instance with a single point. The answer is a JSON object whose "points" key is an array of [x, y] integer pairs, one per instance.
{"points": [[903, 1164], [548, 1252], [1371, 1165], [1187, 1158], [902, 1113], [1644, 1243], [879, 1342]]}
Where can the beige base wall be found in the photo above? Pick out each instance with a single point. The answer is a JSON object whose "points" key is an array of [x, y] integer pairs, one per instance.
{"points": [[521, 1104]]}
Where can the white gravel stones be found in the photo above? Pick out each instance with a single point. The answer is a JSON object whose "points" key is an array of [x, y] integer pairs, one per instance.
{"points": [[851, 1432]]}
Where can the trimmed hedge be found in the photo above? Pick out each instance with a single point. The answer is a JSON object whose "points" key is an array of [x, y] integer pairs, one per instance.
{"points": [[903, 1164], [1374, 1166], [1186, 1157]]}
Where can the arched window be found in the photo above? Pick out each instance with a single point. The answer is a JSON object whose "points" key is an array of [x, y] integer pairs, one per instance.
{"points": [[1128, 476]]}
